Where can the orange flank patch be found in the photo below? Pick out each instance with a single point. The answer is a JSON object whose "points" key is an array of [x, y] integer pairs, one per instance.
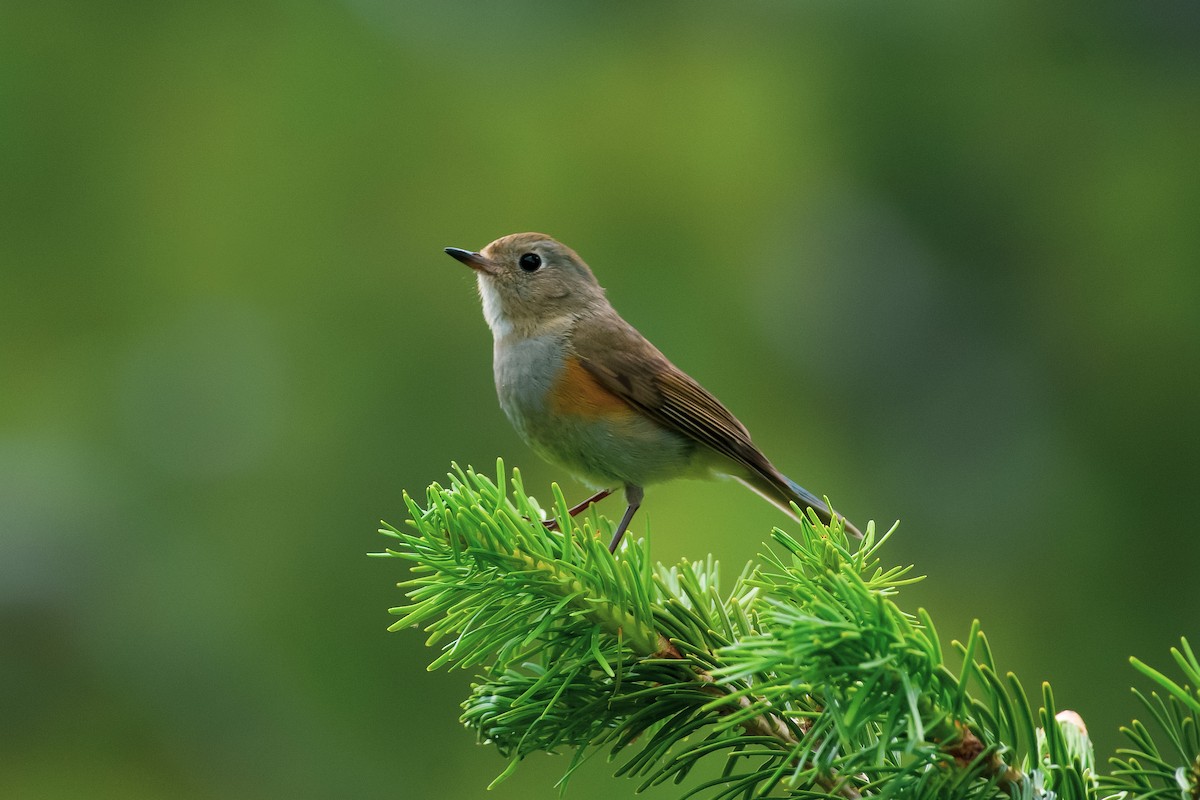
{"points": [[578, 393]]}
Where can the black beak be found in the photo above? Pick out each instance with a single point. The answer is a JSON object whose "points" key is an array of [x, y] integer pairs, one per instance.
{"points": [[474, 260]]}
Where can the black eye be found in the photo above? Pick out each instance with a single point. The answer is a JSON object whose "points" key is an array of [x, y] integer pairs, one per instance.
{"points": [[530, 262]]}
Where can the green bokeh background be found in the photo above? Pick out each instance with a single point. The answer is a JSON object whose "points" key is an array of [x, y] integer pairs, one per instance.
{"points": [[943, 259]]}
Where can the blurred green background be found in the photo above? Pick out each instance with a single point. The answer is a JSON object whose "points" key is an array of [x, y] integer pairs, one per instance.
{"points": [[943, 259]]}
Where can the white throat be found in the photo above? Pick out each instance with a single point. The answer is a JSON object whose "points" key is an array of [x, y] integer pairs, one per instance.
{"points": [[492, 312]]}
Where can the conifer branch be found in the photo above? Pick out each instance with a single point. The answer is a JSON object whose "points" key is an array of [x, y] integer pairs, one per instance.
{"points": [[806, 678]]}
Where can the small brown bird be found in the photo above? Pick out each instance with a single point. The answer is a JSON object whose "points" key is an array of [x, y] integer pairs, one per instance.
{"points": [[586, 391]]}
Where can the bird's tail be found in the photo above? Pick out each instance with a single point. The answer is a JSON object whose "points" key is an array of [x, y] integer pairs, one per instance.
{"points": [[783, 491]]}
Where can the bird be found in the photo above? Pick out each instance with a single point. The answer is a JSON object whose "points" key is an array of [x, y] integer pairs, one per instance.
{"points": [[586, 391]]}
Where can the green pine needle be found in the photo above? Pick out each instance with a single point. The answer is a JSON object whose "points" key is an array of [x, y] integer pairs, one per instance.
{"points": [[804, 680]]}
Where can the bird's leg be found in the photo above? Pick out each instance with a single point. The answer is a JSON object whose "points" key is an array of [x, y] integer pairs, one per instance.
{"points": [[596, 498], [633, 496], [552, 524]]}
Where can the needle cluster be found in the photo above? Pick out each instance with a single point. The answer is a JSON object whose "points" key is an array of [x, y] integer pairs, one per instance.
{"points": [[803, 679]]}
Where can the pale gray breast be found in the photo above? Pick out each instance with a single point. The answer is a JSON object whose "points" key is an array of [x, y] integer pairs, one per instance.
{"points": [[525, 371]]}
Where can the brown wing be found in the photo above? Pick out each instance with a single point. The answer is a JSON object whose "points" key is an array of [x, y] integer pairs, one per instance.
{"points": [[633, 369], [630, 367]]}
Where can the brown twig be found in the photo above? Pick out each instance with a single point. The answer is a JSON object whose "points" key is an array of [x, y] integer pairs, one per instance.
{"points": [[766, 724], [968, 747]]}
